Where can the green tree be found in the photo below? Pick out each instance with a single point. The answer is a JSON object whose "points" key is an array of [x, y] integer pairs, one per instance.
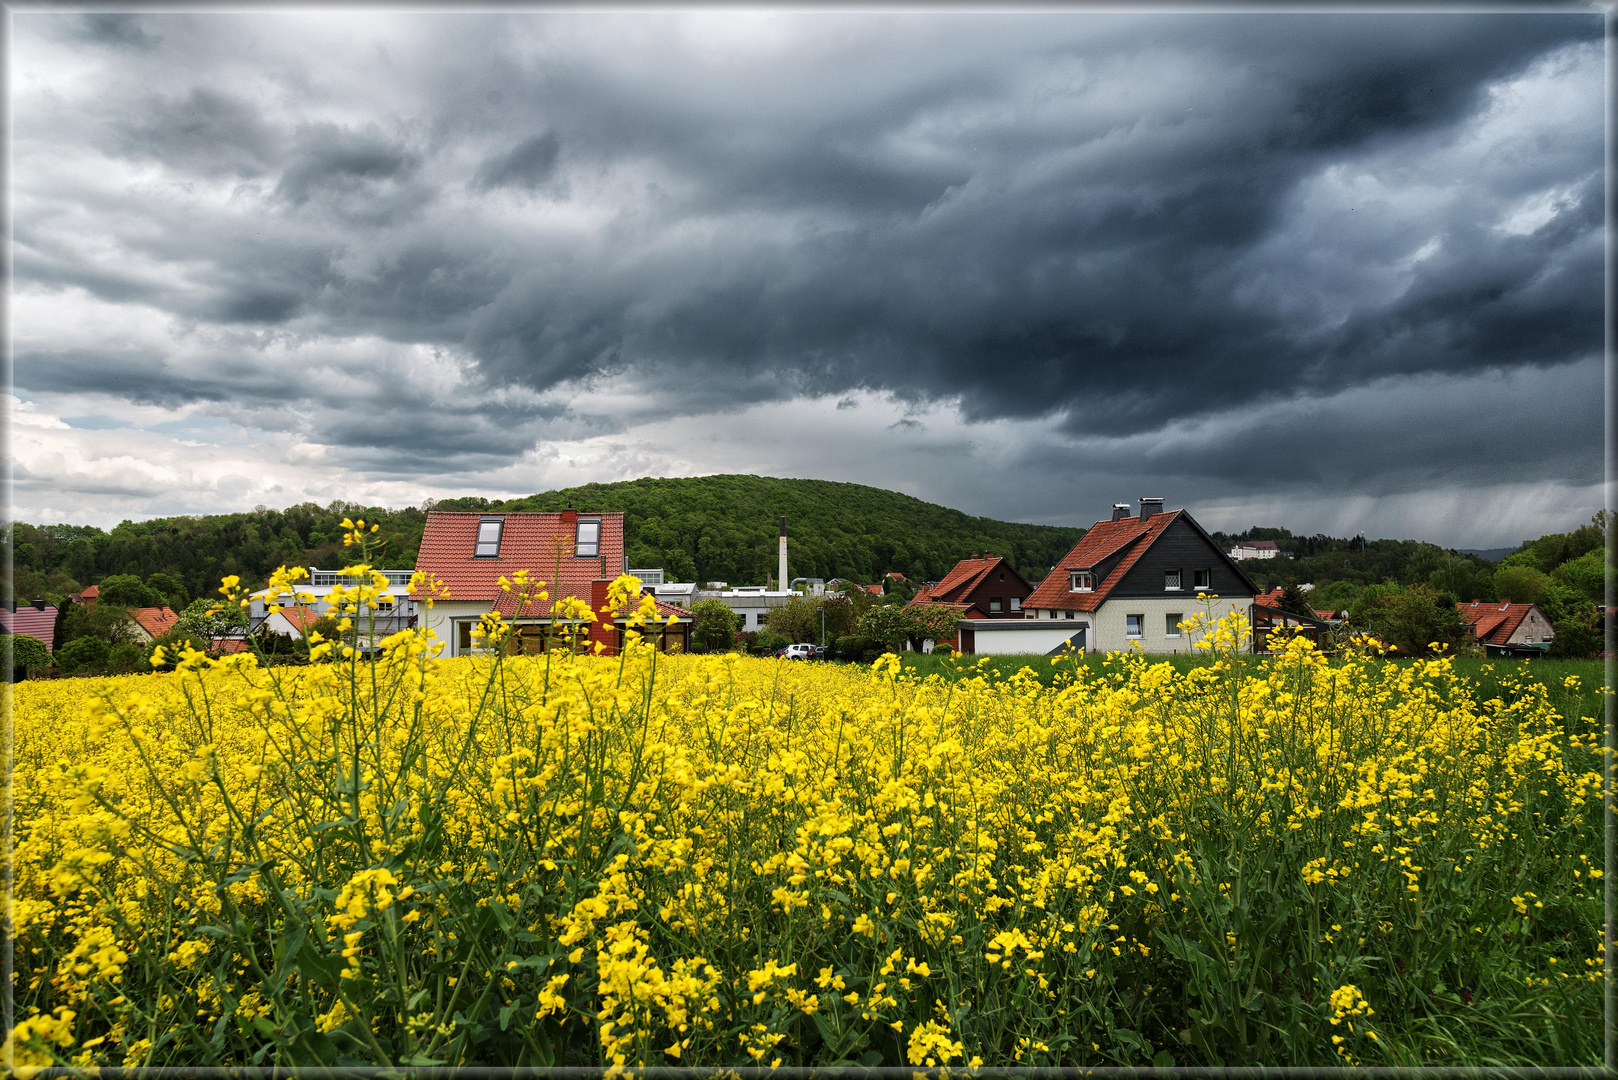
{"points": [[1587, 574], [127, 590], [27, 653], [105, 622], [714, 624], [83, 656], [1521, 584], [796, 620], [887, 623], [170, 588], [1295, 600], [1409, 617], [195, 619], [931, 622]]}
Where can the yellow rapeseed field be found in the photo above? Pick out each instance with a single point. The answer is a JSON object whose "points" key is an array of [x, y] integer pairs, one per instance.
{"points": [[686, 860]]}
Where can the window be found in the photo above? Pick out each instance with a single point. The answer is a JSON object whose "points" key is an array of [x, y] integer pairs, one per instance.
{"points": [[1171, 624], [588, 543], [1200, 579], [1016, 603], [1081, 581], [488, 545], [1070, 614], [1171, 581], [994, 605], [1132, 625]]}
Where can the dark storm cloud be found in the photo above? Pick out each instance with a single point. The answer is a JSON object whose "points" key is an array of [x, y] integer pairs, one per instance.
{"points": [[1128, 222], [329, 159], [117, 28], [528, 164], [206, 132]]}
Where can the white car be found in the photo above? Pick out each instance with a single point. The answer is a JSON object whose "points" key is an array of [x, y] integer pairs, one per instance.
{"points": [[800, 651]]}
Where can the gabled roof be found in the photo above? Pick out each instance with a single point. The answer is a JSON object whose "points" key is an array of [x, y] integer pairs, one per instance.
{"points": [[301, 618], [27, 619], [1493, 622], [960, 582], [1129, 538], [91, 593], [1129, 535], [528, 541], [156, 621]]}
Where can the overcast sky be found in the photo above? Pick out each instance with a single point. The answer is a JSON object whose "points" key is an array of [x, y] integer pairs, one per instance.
{"points": [[1336, 272]]}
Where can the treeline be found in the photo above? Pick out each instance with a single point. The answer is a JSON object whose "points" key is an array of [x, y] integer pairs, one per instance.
{"points": [[724, 528], [1405, 590], [51, 561], [702, 528]]}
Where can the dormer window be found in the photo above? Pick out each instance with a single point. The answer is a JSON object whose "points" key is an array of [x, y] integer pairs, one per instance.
{"points": [[1081, 581], [587, 544], [488, 546]]}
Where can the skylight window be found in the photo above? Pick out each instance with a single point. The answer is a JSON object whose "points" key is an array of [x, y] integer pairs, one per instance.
{"points": [[587, 545], [488, 546]]}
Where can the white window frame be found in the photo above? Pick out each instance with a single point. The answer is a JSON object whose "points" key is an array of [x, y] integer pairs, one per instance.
{"points": [[1140, 627], [1176, 576], [1075, 577], [1171, 624], [1016, 603], [1202, 580]]}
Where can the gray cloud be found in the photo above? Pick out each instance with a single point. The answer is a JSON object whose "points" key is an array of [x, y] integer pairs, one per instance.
{"points": [[527, 165], [117, 28], [1130, 224]]}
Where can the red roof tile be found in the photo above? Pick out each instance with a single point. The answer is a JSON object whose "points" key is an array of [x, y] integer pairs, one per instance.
{"points": [[528, 541], [1494, 621], [1129, 535], [91, 593], [301, 618], [30, 620], [959, 582], [156, 621]]}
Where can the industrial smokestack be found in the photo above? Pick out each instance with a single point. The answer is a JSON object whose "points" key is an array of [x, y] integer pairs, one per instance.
{"points": [[783, 575]]}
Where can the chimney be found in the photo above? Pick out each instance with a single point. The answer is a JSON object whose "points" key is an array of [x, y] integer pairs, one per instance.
{"points": [[783, 576], [1120, 511], [570, 516], [1148, 507]]}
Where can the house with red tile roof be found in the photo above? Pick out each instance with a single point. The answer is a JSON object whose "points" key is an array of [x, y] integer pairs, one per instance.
{"points": [[982, 586], [1507, 629], [1127, 584], [37, 620], [153, 622], [576, 553]]}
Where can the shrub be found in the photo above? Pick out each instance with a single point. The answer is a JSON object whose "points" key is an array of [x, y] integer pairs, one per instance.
{"points": [[83, 656], [27, 653], [127, 658], [713, 624]]}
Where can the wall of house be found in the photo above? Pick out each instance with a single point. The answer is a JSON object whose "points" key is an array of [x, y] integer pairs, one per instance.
{"points": [[1181, 547], [441, 620], [1108, 625], [1002, 583], [1534, 629], [1000, 637]]}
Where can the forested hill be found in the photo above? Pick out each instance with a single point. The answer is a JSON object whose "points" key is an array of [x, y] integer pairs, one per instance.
{"points": [[724, 528], [710, 527]]}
